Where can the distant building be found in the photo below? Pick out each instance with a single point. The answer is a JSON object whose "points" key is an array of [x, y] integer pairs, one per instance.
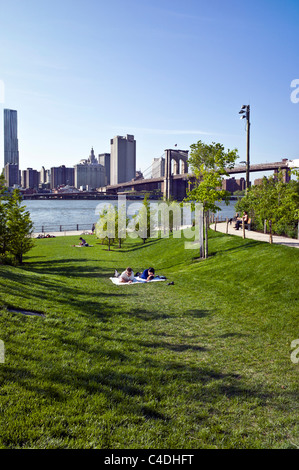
{"points": [[11, 146], [158, 167], [11, 174], [104, 160], [231, 184], [89, 173], [61, 176], [30, 179], [122, 159], [44, 176], [93, 176]]}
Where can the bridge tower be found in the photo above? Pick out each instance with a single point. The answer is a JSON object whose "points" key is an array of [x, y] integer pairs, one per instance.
{"points": [[176, 163]]}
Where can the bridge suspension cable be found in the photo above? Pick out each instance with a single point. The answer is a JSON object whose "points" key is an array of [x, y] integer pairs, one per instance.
{"points": [[147, 173]]}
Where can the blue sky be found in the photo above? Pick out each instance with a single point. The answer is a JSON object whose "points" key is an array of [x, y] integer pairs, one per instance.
{"points": [[168, 71]]}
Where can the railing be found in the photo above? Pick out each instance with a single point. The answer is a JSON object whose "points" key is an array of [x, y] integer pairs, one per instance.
{"points": [[63, 228]]}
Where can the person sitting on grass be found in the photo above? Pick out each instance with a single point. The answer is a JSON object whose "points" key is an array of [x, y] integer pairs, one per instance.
{"points": [[83, 242], [125, 276]]}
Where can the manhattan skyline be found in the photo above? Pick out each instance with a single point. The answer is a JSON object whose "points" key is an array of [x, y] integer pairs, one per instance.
{"points": [[168, 72]]}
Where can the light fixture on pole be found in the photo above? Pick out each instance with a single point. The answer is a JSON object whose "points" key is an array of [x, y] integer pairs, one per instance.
{"points": [[245, 111]]}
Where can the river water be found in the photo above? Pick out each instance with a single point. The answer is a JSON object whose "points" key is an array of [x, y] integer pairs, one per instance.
{"points": [[63, 215]]}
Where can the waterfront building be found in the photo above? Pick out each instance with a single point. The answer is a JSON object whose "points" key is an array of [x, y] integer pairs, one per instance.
{"points": [[44, 176], [89, 173], [122, 159], [11, 146], [30, 179], [11, 174], [61, 176], [231, 184], [91, 176], [104, 160]]}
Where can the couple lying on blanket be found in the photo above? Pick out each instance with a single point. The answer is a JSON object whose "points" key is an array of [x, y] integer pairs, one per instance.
{"points": [[128, 275]]}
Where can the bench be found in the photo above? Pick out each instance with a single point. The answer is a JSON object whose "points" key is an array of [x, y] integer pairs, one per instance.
{"points": [[248, 224]]}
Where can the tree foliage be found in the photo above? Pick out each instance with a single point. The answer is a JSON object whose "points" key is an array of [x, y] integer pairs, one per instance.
{"points": [[209, 164], [274, 203], [15, 225]]}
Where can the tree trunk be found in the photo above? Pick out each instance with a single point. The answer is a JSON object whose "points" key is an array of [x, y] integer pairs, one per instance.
{"points": [[270, 232], [206, 233]]}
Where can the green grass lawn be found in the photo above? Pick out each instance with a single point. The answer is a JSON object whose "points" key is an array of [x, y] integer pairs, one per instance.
{"points": [[203, 363]]}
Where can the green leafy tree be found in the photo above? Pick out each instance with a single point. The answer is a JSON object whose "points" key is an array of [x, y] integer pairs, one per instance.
{"points": [[209, 164], [4, 234], [273, 203], [143, 220], [15, 225]]}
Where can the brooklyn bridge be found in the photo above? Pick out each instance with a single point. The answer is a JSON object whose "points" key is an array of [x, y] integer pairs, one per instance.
{"points": [[177, 180], [174, 183]]}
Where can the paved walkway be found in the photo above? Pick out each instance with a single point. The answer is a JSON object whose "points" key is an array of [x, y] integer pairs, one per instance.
{"points": [[221, 227], [65, 233]]}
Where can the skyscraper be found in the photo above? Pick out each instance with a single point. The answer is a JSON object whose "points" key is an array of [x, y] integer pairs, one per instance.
{"points": [[11, 147], [122, 159]]}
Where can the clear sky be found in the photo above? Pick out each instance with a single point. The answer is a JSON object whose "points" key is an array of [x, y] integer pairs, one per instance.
{"points": [[80, 72]]}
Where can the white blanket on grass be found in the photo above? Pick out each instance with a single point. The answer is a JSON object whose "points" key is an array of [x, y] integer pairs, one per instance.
{"points": [[137, 280]]}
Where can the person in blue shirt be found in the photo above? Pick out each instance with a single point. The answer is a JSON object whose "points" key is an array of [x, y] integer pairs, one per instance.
{"points": [[148, 274]]}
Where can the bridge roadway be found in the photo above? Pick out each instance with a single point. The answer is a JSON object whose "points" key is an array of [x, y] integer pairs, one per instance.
{"points": [[187, 176], [179, 183]]}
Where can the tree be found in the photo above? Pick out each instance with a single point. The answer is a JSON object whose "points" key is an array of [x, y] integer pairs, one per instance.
{"points": [[112, 225], [143, 220], [209, 164], [15, 225], [273, 203]]}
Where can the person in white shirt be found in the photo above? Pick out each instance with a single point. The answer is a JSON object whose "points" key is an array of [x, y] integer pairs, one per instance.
{"points": [[126, 276]]}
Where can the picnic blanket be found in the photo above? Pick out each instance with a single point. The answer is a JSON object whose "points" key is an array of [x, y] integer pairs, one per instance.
{"points": [[81, 246], [137, 280]]}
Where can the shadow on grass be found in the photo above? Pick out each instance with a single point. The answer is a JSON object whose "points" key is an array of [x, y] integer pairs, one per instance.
{"points": [[45, 294], [66, 267], [239, 248]]}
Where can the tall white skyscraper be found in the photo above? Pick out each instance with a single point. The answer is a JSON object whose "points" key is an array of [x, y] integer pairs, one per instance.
{"points": [[122, 159]]}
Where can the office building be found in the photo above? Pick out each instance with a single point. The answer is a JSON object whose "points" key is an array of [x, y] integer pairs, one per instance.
{"points": [[89, 173], [89, 176], [11, 175], [122, 159], [61, 176], [11, 146], [30, 179], [104, 160]]}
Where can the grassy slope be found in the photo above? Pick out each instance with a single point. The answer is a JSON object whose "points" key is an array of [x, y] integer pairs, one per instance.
{"points": [[204, 363]]}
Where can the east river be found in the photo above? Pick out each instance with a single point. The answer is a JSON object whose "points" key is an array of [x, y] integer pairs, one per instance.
{"points": [[54, 215]]}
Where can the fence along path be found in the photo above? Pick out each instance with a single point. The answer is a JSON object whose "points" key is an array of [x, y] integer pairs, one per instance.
{"points": [[225, 227]]}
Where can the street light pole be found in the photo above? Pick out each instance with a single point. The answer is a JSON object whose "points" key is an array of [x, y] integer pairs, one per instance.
{"points": [[245, 111]]}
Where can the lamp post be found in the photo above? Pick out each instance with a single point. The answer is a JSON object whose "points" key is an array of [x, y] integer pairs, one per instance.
{"points": [[245, 111]]}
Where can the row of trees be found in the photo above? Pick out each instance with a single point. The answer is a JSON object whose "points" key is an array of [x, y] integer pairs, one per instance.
{"points": [[15, 226]]}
